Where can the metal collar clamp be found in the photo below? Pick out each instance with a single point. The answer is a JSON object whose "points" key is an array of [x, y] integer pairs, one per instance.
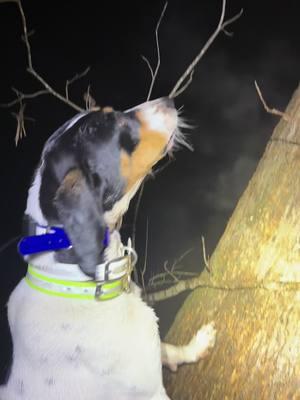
{"points": [[113, 277]]}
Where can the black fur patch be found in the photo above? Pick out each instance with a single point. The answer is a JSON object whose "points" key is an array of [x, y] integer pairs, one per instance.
{"points": [[127, 142]]}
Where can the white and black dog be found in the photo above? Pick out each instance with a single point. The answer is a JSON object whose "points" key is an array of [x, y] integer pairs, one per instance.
{"points": [[79, 326]]}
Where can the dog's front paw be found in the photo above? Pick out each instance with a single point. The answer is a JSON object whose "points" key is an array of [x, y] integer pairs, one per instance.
{"points": [[203, 341]]}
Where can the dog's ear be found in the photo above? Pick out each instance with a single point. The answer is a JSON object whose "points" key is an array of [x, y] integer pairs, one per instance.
{"points": [[82, 218]]}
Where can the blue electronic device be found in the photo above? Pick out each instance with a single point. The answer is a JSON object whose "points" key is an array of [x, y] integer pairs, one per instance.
{"points": [[56, 239]]}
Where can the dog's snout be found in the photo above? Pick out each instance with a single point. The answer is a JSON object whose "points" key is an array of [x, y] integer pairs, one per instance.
{"points": [[161, 104], [168, 102]]}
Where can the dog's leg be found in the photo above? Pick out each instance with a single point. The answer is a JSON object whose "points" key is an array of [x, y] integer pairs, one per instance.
{"points": [[198, 348]]}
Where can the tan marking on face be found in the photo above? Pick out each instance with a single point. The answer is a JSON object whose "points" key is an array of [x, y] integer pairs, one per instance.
{"points": [[146, 154], [71, 182], [107, 109]]}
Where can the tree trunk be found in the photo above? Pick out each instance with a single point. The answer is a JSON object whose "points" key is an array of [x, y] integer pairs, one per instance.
{"points": [[253, 290]]}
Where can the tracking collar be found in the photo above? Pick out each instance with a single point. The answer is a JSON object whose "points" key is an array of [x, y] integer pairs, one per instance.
{"points": [[68, 281], [46, 238]]}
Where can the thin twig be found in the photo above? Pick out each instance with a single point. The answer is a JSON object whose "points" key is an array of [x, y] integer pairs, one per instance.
{"points": [[173, 272], [30, 69], [186, 85], [144, 58], [20, 130], [9, 241], [269, 110], [220, 28], [183, 255], [23, 96], [154, 75], [170, 271], [136, 212], [53, 92], [205, 258], [135, 217], [90, 102], [144, 269], [75, 78], [160, 279]]}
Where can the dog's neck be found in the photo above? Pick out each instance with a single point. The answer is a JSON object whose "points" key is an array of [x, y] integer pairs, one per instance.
{"points": [[113, 217], [112, 277], [47, 261]]}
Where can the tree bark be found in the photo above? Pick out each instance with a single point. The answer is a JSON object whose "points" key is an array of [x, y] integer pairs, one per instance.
{"points": [[253, 290]]}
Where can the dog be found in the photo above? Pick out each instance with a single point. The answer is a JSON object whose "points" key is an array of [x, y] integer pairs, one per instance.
{"points": [[79, 326]]}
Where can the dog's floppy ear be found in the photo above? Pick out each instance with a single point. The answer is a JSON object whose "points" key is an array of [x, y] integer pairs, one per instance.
{"points": [[82, 218]]}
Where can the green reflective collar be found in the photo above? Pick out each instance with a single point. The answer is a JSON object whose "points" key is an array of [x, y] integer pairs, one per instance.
{"points": [[84, 290]]}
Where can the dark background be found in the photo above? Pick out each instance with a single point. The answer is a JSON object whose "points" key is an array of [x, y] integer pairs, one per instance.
{"points": [[196, 194]]}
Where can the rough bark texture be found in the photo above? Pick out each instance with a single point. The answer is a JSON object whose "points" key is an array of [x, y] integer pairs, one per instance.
{"points": [[255, 294]]}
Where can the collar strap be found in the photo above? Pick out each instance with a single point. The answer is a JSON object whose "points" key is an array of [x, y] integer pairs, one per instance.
{"points": [[48, 238], [113, 279]]}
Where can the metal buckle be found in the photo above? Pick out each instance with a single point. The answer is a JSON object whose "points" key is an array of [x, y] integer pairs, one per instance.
{"points": [[98, 291], [131, 257]]}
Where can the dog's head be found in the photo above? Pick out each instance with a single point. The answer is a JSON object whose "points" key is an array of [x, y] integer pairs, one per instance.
{"points": [[92, 166]]}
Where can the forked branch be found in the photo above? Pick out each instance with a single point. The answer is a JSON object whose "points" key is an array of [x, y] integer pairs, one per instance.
{"points": [[186, 78], [154, 73], [171, 275], [269, 110], [30, 67], [48, 89], [74, 79]]}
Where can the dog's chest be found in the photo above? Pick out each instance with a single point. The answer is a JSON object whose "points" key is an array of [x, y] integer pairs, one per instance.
{"points": [[84, 350]]}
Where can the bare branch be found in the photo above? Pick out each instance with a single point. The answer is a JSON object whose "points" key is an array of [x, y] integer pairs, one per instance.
{"points": [[30, 69], [179, 287], [23, 96], [220, 28], [90, 102], [269, 110], [75, 78], [183, 255], [154, 75], [143, 272], [136, 212], [170, 271], [20, 130], [205, 258], [173, 272], [149, 65], [199, 282], [53, 92], [186, 85], [160, 279]]}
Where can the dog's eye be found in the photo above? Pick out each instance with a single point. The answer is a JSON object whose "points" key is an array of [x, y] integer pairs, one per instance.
{"points": [[128, 142]]}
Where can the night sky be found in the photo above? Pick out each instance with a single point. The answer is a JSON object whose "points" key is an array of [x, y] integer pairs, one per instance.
{"points": [[196, 194]]}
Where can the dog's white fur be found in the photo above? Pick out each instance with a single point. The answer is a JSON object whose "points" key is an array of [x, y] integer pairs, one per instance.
{"points": [[88, 350], [70, 349]]}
